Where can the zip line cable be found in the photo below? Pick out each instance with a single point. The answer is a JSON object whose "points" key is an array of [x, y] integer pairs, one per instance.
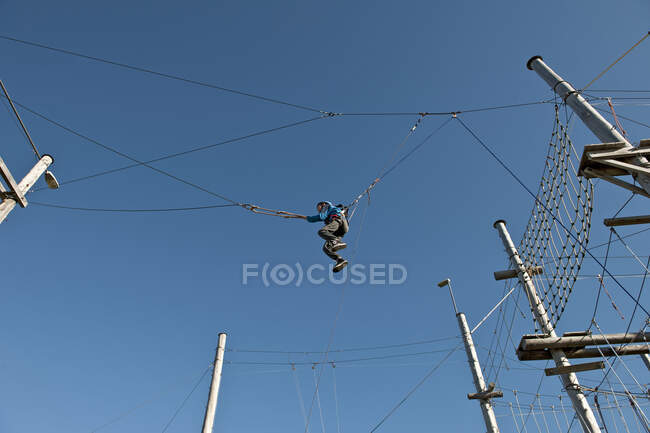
{"points": [[445, 113], [494, 155], [160, 74]]}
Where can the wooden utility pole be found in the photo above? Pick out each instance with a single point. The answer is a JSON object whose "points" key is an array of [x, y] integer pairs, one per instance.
{"points": [[569, 380], [208, 419], [483, 393]]}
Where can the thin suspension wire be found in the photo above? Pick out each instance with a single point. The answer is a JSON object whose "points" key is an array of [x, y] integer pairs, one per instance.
{"points": [[255, 96], [302, 403], [22, 125], [601, 282], [159, 74], [130, 158], [615, 62], [623, 117], [406, 397], [198, 382], [521, 415], [623, 237], [384, 172], [175, 209], [621, 361], [336, 399], [187, 152], [447, 113], [351, 349], [135, 407], [340, 361], [320, 408], [539, 403]]}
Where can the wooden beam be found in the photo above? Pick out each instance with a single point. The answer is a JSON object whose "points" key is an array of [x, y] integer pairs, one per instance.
{"points": [[540, 355], [627, 221], [598, 365], [582, 341], [630, 168], [591, 172], [625, 153], [485, 395]]}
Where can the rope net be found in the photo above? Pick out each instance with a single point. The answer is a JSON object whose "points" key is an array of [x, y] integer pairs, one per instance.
{"points": [[562, 197]]}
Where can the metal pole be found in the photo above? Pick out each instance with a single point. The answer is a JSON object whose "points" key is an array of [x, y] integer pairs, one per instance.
{"points": [[474, 365], [601, 128], [477, 374], [208, 420], [28, 181], [570, 380]]}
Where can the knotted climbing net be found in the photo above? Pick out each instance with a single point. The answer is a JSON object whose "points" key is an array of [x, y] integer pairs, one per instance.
{"points": [[563, 199]]}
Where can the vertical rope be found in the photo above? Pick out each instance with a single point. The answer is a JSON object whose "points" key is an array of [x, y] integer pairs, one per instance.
{"points": [[336, 399], [514, 417], [320, 409], [521, 415], [557, 421], [618, 407], [539, 403], [611, 413], [532, 412], [600, 412], [302, 402]]}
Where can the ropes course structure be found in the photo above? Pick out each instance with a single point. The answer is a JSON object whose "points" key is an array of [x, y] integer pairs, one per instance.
{"points": [[565, 198]]}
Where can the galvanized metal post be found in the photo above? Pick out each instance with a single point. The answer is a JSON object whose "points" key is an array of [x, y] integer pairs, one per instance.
{"points": [[208, 420], [601, 128], [570, 380], [474, 365]]}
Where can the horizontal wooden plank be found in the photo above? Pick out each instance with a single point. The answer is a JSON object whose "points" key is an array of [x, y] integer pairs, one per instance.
{"points": [[627, 221], [587, 366]]}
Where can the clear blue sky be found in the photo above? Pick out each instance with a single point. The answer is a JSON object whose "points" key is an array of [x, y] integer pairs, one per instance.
{"points": [[104, 311]]}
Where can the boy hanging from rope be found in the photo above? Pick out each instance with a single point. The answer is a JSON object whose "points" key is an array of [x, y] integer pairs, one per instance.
{"points": [[336, 226]]}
